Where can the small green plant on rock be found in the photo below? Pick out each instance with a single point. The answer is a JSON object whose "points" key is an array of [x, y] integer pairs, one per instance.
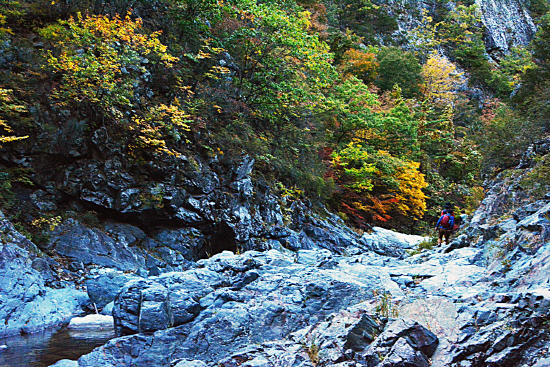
{"points": [[507, 264], [384, 305], [428, 244], [312, 351]]}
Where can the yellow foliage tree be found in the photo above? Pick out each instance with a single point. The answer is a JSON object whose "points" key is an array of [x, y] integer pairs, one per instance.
{"points": [[101, 60], [441, 80], [8, 107], [149, 133], [410, 198]]}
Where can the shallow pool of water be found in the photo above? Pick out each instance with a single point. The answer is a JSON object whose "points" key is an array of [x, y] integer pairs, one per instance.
{"points": [[47, 347]]}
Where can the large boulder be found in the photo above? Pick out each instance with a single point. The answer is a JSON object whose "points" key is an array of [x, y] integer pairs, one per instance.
{"points": [[103, 287], [26, 304], [112, 248]]}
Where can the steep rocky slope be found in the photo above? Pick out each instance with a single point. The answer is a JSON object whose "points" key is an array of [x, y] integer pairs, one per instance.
{"points": [[507, 23]]}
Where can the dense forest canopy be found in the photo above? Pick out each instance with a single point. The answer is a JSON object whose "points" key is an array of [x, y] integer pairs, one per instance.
{"points": [[333, 102]]}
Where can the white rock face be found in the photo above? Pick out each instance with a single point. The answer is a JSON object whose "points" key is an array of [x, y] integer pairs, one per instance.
{"points": [[508, 24], [404, 239], [91, 321]]}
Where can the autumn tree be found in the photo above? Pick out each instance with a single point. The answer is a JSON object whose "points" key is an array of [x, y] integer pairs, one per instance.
{"points": [[441, 80], [8, 109], [460, 32], [378, 186], [102, 62], [374, 144], [361, 64]]}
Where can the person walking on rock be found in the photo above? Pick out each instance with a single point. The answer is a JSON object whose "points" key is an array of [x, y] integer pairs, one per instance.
{"points": [[444, 227]]}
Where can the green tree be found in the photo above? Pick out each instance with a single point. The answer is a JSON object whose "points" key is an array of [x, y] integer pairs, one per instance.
{"points": [[278, 67], [533, 96], [398, 67], [506, 136]]}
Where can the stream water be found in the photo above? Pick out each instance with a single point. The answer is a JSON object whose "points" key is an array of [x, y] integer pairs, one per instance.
{"points": [[47, 347]]}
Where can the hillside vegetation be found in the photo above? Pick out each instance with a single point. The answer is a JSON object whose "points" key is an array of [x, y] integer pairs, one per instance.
{"points": [[330, 103]]}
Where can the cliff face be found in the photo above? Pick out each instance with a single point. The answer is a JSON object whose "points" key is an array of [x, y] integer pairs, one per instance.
{"points": [[507, 24]]}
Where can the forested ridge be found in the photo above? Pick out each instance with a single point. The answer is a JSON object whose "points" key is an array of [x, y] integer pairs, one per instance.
{"points": [[331, 99]]}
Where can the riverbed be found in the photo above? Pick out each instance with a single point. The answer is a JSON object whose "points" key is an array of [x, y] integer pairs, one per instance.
{"points": [[47, 347]]}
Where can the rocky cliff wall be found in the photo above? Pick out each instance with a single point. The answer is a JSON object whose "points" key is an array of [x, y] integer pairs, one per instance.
{"points": [[507, 24]]}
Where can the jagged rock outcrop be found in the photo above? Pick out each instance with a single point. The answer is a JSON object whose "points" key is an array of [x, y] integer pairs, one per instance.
{"points": [[232, 301], [507, 22]]}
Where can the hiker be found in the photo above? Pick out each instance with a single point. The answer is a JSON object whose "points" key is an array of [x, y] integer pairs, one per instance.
{"points": [[449, 208], [444, 227]]}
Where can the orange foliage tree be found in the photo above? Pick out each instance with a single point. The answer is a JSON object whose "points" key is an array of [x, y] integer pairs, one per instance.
{"points": [[361, 64]]}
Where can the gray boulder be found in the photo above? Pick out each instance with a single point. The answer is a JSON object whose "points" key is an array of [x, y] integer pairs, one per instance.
{"points": [[103, 287], [92, 246], [26, 304], [405, 343]]}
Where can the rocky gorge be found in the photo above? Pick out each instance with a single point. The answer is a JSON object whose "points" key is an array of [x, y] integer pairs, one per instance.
{"points": [[310, 293], [195, 260]]}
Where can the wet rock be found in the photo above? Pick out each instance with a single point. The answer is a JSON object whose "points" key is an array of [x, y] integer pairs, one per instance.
{"points": [[91, 321]]}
